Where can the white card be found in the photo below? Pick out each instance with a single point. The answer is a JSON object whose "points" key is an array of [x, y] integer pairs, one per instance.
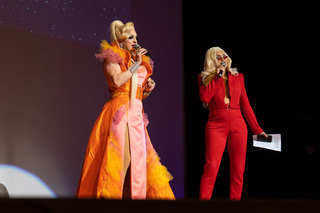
{"points": [[275, 144]]}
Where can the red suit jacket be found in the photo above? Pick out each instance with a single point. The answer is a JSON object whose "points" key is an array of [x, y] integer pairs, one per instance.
{"points": [[214, 94]]}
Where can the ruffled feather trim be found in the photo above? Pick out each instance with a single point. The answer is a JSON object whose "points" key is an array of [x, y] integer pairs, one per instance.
{"points": [[149, 61], [112, 181], [111, 53], [111, 186], [158, 179], [110, 56], [145, 119]]}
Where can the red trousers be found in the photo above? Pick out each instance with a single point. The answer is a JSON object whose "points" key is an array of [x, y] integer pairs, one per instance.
{"points": [[225, 126]]}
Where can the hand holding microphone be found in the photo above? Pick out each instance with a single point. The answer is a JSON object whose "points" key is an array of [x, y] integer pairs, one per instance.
{"points": [[221, 70], [137, 47]]}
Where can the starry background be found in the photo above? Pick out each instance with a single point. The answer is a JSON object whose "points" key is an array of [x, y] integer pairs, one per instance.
{"points": [[52, 88], [84, 21]]}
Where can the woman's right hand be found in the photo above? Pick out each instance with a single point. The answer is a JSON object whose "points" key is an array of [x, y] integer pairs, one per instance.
{"points": [[223, 68]]}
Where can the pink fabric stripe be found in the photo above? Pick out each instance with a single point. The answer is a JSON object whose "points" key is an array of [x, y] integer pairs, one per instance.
{"points": [[138, 151]]}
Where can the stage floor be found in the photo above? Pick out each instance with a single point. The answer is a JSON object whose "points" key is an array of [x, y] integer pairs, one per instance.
{"points": [[155, 206]]}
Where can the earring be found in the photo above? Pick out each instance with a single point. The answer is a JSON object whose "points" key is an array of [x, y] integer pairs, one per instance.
{"points": [[121, 46]]}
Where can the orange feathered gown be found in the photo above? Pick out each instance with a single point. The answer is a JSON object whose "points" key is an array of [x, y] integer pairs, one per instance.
{"points": [[102, 172]]}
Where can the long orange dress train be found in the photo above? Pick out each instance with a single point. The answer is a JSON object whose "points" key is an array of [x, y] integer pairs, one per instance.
{"points": [[102, 171]]}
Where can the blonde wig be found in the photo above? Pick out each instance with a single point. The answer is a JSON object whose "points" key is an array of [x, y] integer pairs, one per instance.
{"points": [[211, 64], [119, 32]]}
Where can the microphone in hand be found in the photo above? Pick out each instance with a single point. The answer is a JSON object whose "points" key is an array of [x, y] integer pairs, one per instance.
{"points": [[137, 46], [221, 71]]}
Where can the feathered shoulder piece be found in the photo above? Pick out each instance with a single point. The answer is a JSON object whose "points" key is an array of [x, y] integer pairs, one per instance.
{"points": [[148, 60], [111, 52]]}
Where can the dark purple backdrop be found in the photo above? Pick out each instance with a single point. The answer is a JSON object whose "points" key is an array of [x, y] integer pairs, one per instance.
{"points": [[159, 27], [52, 88]]}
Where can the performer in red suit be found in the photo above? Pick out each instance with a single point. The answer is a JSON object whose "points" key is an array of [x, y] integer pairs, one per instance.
{"points": [[222, 91]]}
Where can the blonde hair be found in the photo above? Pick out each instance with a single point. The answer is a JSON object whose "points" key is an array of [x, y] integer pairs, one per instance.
{"points": [[211, 64], [119, 32]]}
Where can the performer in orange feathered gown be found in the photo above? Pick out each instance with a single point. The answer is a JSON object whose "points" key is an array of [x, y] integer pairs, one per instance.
{"points": [[120, 161]]}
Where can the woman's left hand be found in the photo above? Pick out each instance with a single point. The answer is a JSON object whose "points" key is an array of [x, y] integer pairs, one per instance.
{"points": [[264, 134], [150, 85]]}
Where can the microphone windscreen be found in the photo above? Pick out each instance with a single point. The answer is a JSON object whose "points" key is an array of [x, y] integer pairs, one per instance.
{"points": [[136, 46]]}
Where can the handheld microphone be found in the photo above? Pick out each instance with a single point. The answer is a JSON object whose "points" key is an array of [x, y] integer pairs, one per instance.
{"points": [[220, 72], [137, 46]]}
